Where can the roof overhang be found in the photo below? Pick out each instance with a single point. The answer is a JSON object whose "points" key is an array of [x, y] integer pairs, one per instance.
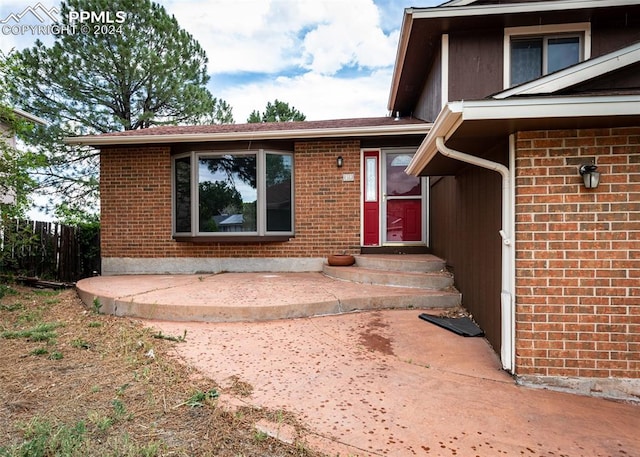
{"points": [[28, 116], [422, 29], [293, 134], [475, 127]]}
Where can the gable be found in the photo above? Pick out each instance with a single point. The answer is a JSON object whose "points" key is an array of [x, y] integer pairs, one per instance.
{"points": [[423, 28], [622, 81]]}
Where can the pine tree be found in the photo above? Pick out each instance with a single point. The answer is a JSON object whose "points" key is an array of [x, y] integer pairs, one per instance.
{"points": [[146, 71], [276, 112]]}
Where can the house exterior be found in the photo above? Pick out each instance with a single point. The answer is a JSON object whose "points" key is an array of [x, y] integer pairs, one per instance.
{"points": [[255, 197], [497, 108], [522, 95]]}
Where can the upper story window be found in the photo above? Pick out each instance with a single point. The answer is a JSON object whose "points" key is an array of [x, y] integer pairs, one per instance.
{"points": [[243, 194], [531, 52]]}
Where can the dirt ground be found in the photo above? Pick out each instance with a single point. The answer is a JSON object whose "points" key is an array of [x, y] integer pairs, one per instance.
{"points": [[76, 382]]}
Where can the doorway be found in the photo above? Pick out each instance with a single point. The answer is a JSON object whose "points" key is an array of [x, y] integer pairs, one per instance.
{"points": [[393, 203]]}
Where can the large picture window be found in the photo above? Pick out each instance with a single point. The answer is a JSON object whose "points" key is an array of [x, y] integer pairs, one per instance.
{"points": [[233, 194]]}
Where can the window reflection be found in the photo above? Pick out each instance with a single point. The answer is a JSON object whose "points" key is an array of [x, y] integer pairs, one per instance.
{"points": [[247, 193], [562, 53], [398, 182], [533, 57], [279, 202], [182, 178], [227, 193]]}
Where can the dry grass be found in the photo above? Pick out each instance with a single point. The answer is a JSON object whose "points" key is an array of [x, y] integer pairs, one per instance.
{"points": [[101, 385]]}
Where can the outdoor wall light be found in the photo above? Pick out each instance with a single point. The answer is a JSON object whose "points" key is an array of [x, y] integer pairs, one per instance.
{"points": [[590, 176], [339, 162]]}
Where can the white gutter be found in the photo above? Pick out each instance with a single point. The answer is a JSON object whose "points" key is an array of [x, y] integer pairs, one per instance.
{"points": [[545, 107], [506, 232], [512, 258], [342, 132]]}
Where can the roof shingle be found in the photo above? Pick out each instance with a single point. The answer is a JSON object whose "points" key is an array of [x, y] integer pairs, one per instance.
{"points": [[267, 126]]}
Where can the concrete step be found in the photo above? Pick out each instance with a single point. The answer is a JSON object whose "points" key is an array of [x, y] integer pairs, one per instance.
{"points": [[423, 299], [401, 262], [240, 297], [419, 280]]}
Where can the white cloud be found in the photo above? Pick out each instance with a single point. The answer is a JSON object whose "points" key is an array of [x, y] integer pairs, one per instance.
{"points": [[304, 46], [271, 36], [352, 37], [317, 96], [243, 35]]}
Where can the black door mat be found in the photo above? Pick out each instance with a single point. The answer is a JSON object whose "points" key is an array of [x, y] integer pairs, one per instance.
{"points": [[459, 325]]}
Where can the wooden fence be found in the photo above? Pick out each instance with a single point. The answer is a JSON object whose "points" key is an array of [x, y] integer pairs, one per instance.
{"points": [[49, 250]]}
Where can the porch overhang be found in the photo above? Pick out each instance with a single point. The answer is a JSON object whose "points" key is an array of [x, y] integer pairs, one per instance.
{"points": [[477, 126]]}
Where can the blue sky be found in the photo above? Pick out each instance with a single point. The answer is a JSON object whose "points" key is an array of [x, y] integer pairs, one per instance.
{"points": [[331, 59]]}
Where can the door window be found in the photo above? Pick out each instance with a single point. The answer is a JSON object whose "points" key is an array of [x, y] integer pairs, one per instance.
{"points": [[404, 204], [398, 182]]}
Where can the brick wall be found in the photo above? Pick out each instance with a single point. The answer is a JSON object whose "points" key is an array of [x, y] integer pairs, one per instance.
{"points": [[578, 254], [135, 202], [327, 209], [135, 186]]}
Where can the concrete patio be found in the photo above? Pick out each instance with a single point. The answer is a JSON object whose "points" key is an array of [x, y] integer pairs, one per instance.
{"points": [[386, 383], [372, 383]]}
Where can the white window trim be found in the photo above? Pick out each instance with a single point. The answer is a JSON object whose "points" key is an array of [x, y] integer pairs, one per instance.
{"points": [[445, 70], [582, 28], [261, 194]]}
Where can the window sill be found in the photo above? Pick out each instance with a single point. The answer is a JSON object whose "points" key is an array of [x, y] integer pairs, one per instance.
{"points": [[233, 239]]}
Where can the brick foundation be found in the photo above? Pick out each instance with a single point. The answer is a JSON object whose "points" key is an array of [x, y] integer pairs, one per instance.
{"points": [[578, 255]]}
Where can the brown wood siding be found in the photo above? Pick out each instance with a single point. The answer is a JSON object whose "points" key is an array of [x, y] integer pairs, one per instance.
{"points": [[408, 141], [614, 30], [430, 101], [475, 64], [465, 213], [442, 217]]}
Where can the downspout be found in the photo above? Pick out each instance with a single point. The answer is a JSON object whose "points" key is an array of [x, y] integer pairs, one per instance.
{"points": [[507, 281]]}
